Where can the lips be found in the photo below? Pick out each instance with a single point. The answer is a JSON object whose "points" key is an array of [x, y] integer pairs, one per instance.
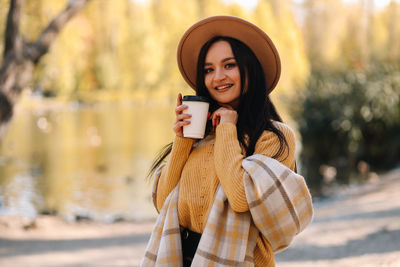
{"points": [[223, 87]]}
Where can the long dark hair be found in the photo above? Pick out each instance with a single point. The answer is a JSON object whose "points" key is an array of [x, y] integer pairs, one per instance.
{"points": [[256, 112]]}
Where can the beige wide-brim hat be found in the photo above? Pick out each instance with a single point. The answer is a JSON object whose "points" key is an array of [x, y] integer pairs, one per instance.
{"points": [[228, 26]]}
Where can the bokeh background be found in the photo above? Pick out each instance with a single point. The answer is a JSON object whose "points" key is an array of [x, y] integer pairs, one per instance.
{"points": [[100, 103]]}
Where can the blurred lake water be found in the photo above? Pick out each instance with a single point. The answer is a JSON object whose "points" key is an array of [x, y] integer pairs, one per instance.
{"points": [[82, 160]]}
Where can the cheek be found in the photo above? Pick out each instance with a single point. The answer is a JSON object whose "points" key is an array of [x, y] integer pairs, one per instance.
{"points": [[237, 76], [207, 81]]}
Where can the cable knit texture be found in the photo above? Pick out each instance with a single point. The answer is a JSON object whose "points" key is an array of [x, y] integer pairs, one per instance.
{"points": [[200, 167]]}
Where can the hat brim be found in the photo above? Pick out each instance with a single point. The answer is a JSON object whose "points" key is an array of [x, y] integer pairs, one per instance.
{"points": [[228, 26]]}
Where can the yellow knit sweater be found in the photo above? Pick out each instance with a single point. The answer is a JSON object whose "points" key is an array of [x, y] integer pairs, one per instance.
{"points": [[212, 161]]}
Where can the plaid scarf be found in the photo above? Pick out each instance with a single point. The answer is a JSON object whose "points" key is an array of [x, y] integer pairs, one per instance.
{"points": [[279, 208]]}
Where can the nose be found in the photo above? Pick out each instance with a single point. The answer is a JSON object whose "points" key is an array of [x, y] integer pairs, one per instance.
{"points": [[219, 74]]}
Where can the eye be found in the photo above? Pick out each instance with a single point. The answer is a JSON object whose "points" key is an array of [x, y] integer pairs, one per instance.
{"points": [[208, 70], [230, 65]]}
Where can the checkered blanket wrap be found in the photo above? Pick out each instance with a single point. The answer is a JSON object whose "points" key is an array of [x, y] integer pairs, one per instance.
{"points": [[280, 207]]}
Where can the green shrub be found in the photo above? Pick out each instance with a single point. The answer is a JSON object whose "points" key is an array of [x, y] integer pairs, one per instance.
{"points": [[348, 116]]}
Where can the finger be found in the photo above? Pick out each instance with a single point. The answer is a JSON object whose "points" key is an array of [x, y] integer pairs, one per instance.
{"points": [[215, 118], [180, 108], [212, 117], [179, 100], [179, 124], [181, 117]]}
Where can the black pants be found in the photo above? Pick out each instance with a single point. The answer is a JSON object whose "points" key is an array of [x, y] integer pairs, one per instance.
{"points": [[190, 241]]}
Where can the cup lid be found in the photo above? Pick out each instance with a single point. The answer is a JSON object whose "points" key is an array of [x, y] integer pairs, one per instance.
{"points": [[195, 98]]}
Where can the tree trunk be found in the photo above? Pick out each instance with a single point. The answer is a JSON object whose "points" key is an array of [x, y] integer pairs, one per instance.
{"points": [[20, 57]]}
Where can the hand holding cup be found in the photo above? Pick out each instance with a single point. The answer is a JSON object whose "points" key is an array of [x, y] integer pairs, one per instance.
{"points": [[181, 118], [191, 116]]}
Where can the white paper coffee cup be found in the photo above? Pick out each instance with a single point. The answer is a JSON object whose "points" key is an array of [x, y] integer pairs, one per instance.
{"points": [[198, 108]]}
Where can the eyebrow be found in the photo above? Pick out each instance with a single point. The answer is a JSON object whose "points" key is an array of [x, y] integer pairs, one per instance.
{"points": [[224, 60]]}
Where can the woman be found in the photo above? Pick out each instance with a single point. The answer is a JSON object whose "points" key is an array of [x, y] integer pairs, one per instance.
{"points": [[231, 198]]}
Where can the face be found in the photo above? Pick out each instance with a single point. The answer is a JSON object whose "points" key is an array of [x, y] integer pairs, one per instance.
{"points": [[222, 75]]}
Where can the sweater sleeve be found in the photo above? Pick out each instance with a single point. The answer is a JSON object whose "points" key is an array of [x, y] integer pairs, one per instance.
{"points": [[171, 173], [228, 159]]}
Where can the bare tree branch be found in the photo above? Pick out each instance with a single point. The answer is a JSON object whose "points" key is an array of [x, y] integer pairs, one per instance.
{"points": [[41, 46], [12, 28]]}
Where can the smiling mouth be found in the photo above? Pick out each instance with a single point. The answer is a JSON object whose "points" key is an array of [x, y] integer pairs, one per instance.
{"points": [[223, 87]]}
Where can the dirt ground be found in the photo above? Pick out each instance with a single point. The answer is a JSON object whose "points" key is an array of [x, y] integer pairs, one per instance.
{"points": [[358, 227]]}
